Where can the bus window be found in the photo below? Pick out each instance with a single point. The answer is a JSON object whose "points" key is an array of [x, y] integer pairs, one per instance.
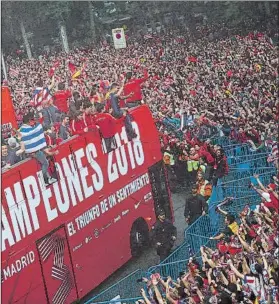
{"points": [[159, 185]]}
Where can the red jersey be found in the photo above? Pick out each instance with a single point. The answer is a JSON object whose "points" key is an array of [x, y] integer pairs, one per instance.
{"points": [[204, 153], [61, 100], [274, 203], [78, 127], [134, 85], [106, 123], [89, 120]]}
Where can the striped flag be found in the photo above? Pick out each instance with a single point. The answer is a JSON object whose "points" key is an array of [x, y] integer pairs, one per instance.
{"points": [[13, 72], [133, 62], [33, 138], [274, 153], [40, 95]]}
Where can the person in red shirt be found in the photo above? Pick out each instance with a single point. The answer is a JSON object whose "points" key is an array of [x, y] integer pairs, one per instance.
{"points": [[204, 153], [78, 125], [133, 85], [88, 117], [61, 98], [106, 124]]}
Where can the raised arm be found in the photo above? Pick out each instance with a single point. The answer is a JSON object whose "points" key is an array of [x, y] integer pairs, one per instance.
{"points": [[237, 273], [260, 183]]}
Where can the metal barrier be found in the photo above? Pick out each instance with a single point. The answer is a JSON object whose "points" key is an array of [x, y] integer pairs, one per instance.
{"points": [[240, 187], [120, 289], [259, 159], [223, 141], [170, 269], [238, 173], [119, 300]]}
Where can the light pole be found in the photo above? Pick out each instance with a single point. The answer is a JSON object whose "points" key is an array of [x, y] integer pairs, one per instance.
{"points": [[4, 66]]}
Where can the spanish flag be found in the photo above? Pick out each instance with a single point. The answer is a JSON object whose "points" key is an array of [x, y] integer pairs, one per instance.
{"points": [[75, 73]]}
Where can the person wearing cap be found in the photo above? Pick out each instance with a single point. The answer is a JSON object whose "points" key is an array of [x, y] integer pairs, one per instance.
{"points": [[15, 154], [164, 234]]}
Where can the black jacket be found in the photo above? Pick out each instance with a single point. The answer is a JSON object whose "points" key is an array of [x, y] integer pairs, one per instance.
{"points": [[195, 205], [162, 232]]}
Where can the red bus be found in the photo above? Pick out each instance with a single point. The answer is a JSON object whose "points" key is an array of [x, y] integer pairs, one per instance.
{"points": [[61, 241]]}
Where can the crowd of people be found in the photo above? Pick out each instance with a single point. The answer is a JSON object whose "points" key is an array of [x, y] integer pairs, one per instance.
{"points": [[242, 268], [194, 88], [229, 84]]}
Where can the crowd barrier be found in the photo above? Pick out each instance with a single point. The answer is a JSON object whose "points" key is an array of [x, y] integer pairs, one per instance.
{"points": [[118, 300], [244, 163], [241, 187], [238, 173]]}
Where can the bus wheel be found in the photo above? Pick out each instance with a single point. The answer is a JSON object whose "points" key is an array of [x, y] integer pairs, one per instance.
{"points": [[139, 237]]}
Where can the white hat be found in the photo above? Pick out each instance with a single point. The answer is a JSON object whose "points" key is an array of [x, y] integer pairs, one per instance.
{"points": [[12, 142]]}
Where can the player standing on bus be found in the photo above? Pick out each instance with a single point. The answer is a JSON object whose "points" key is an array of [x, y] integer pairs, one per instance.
{"points": [[117, 112], [133, 85], [164, 234]]}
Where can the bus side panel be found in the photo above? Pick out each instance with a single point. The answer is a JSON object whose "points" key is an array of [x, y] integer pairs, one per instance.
{"points": [[104, 245], [21, 278]]}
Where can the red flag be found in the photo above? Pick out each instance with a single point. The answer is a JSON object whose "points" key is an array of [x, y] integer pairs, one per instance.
{"points": [[72, 67], [54, 67]]}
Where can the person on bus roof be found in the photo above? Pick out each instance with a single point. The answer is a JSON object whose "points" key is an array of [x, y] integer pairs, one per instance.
{"points": [[34, 144], [78, 125], [88, 116], [106, 124], [133, 85], [117, 112], [61, 98]]}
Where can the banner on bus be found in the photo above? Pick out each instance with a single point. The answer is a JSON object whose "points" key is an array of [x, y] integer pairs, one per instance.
{"points": [[8, 117], [119, 38]]}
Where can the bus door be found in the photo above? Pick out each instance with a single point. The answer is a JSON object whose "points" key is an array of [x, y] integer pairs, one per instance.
{"points": [[160, 189], [57, 267]]}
